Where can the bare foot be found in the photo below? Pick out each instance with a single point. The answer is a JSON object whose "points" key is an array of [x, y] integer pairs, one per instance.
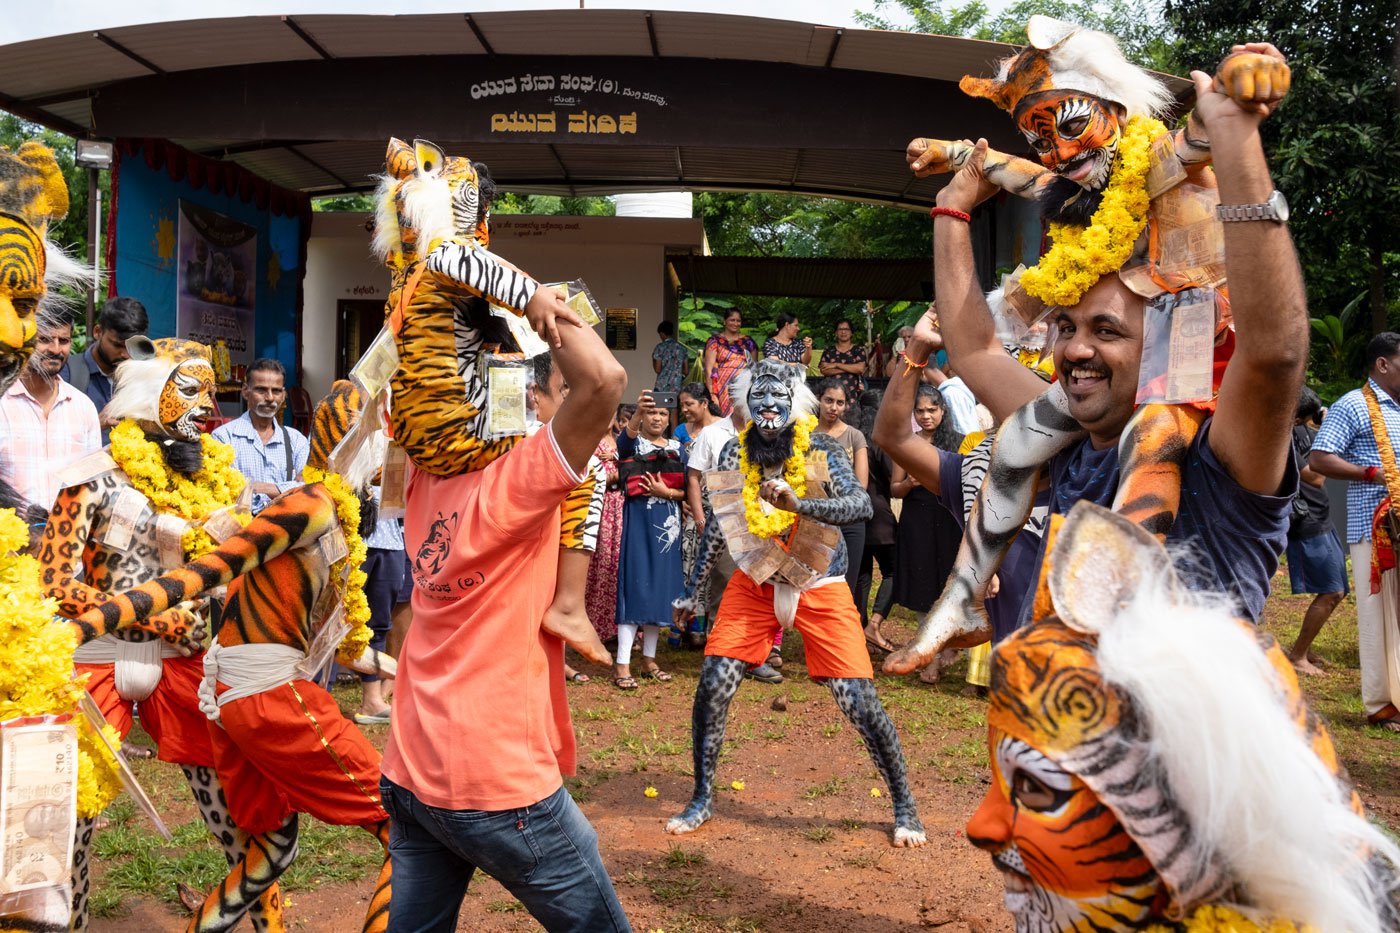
{"points": [[1389, 725], [578, 633], [1306, 667], [690, 819], [1317, 662], [906, 837]]}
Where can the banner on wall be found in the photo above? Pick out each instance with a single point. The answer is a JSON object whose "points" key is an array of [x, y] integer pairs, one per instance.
{"points": [[216, 280]]}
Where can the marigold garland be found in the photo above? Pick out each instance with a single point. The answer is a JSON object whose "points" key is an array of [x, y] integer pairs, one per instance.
{"points": [[1083, 255], [36, 666], [347, 511], [1216, 918], [778, 521], [215, 485]]}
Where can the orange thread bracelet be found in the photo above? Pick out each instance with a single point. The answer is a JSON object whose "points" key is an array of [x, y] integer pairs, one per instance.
{"points": [[910, 365]]}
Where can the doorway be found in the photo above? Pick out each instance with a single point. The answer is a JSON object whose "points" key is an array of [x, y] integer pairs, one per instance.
{"points": [[358, 322]]}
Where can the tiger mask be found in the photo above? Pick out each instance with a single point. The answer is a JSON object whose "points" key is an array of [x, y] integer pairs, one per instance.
{"points": [[1152, 755], [426, 198], [33, 195]]}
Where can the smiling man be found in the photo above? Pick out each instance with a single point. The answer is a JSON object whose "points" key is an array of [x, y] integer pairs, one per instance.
{"points": [[1236, 471]]}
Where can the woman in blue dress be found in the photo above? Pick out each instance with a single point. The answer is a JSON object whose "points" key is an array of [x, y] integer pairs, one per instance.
{"points": [[651, 540]]}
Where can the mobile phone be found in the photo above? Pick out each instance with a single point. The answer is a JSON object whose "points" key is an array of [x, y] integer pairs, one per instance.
{"points": [[666, 400]]}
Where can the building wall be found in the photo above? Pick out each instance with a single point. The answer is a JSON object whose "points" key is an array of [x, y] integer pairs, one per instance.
{"points": [[622, 259]]}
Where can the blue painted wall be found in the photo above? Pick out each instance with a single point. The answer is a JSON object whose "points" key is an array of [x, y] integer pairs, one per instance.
{"points": [[147, 221]]}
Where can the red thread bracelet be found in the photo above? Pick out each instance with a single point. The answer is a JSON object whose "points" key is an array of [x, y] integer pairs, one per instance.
{"points": [[964, 216], [1371, 474]]}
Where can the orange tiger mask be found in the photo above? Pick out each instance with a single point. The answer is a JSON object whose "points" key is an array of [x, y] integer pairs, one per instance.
{"points": [[1094, 816]]}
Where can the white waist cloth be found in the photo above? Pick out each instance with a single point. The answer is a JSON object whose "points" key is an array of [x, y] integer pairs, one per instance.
{"points": [[786, 596], [138, 663], [245, 670]]}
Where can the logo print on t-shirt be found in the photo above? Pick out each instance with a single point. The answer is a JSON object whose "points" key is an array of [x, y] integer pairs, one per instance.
{"points": [[433, 554]]}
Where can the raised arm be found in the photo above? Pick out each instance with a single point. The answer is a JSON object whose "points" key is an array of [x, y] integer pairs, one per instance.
{"points": [[997, 380], [596, 381], [894, 430], [1250, 434]]}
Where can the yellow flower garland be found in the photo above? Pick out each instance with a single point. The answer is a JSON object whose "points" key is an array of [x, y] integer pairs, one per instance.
{"points": [[36, 666], [1083, 255], [778, 521], [347, 512], [1215, 918], [215, 485]]}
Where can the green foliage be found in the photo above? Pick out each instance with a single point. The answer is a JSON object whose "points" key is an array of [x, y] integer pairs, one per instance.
{"points": [[344, 202], [1331, 144], [1337, 342], [807, 228], [1135, 23], [511, 203]]}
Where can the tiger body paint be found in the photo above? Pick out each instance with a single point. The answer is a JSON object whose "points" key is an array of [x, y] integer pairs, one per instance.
{"points": [[1098, 817], [1070, 107], [280, 742], [776, 396]]}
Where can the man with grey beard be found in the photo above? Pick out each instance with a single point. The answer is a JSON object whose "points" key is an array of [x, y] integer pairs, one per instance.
{"points": [[268, 453], [45, 423]]}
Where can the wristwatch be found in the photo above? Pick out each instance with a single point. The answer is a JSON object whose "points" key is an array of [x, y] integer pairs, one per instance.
{"points": [[1275, 209]]}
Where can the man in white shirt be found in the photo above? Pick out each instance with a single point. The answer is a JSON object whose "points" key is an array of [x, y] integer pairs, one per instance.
{"points": [[45, 423]]}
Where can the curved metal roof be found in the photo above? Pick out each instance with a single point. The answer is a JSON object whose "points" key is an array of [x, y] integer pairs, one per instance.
{"points": [[716, 101]]}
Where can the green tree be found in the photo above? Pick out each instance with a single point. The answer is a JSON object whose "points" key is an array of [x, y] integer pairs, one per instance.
{"points": [[1331, 143], [1135, 23]]}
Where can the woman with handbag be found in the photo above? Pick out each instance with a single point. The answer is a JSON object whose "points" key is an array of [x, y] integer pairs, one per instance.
{"points": [[652, 469]]}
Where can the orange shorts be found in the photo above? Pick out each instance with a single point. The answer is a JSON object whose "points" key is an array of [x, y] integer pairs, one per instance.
{"points": [[290, 750], [170, 714], [832, 636]]}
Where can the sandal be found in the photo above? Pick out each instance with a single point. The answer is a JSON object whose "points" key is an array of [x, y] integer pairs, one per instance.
{"points": [[578, 677], [625, 683], [775, 659], [657, 674], [1388, 723], [879, 642]]}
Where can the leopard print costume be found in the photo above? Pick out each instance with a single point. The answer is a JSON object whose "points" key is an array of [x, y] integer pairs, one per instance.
{"points": [[81, 569]]}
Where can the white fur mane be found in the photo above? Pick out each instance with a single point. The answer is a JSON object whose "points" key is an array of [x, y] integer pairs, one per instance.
{"points": [[136, 393], [1091, 61], [62, 271], [1256, 795], [425, 202]]}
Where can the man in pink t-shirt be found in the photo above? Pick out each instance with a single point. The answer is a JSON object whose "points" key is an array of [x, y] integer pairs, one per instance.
{"points": [[472, 774]]}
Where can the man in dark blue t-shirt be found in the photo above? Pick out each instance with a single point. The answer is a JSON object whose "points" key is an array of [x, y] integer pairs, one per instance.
{"points": [[1239, 473]]}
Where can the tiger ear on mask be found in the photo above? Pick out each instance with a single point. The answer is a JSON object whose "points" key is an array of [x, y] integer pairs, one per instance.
{"points": [[429, 157], [1099, 562], [400, 160]]}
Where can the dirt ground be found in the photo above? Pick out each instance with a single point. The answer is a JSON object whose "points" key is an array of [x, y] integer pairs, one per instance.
{"points": [[804, 845]]}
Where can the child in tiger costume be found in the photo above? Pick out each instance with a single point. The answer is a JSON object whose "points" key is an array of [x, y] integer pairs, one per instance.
{"points": [[280, 742], [432, 229], [1124, 196], [775, 499], [1154, 766]]}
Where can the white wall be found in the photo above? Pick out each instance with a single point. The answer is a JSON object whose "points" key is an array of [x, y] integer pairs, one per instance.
{"points": [[621, 258]]}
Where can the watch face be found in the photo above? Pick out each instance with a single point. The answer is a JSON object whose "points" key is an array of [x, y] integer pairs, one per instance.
{"points": [[1279, 204]]}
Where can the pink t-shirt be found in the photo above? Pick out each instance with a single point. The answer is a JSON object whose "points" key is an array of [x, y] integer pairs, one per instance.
{"points": [[480, 720]]}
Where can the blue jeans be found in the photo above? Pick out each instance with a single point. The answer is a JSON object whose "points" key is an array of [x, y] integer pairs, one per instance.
{"points": [[545, 854]]}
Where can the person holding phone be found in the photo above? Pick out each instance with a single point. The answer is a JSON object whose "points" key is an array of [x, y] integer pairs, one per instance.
{"points": [[653, 469]]}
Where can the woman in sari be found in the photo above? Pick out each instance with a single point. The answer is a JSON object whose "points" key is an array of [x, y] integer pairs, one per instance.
{"points": [[726, 353]]}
